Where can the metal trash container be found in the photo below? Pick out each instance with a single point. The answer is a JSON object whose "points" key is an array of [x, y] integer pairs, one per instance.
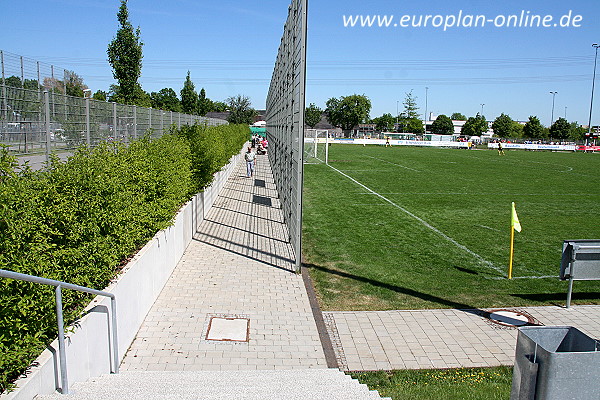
{"points": [[555, 362], [580, 262]]}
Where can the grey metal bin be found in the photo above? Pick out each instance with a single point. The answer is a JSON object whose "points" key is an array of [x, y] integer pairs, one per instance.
{"points": [[555, 362]]}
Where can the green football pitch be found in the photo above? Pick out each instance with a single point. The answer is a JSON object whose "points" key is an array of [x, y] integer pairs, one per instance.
{"points": [[409, 228]]}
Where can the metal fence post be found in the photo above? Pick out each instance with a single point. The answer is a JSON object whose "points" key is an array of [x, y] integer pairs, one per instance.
{"points": [[113, 307], [135, 122], [114, 121], [64, 381], [150, 118], [47, 123], [4, 103], [87, 121], [162, 122]]}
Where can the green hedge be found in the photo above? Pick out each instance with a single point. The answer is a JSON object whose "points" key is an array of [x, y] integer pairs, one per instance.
{"points": [[80, 221]]}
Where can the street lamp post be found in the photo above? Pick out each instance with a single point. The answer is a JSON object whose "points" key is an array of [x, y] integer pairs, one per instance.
{"points": [[425, 122], [565, 112], [552, 115], [589, 135], [482, 109], [397, 116]]}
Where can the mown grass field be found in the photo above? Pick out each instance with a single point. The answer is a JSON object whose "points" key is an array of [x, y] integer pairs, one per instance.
{"points": [[452, 384], [410, 228]]}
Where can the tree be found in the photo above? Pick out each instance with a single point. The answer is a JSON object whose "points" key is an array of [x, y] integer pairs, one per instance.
{"points": [[218, 106], [577, 132], [414, 125], [516, 130], [503, 126], [347, 112], [74, 84], [385, 123], [204, 103], [100, 95], [165, 99], [458, 117], [442, 125], [189, 97], [410, 106], [560, 129], [475, 126], [533, 129], [125, 57], [241, 111], [312, 115]]}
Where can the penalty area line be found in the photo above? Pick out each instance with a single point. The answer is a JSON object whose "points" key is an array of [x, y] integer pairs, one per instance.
{"points": [[424, 223]]}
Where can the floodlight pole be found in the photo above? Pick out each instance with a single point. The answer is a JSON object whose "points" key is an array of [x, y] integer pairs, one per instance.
{"points": [[482, 109], [589, 135], [425, 119], [552, 114]]}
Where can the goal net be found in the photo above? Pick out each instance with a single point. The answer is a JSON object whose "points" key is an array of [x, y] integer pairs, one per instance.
{"points": [[315, 146]]}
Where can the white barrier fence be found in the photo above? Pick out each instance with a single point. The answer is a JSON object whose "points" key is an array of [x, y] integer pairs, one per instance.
{"points": [[419, 143], [532, 146]]}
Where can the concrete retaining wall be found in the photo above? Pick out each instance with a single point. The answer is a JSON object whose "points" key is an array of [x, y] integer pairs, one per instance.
{"points": [[136, 288]]}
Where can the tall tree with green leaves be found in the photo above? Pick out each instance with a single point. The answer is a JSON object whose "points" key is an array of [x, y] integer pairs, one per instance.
{"points": [[475, 126], [312, 115], [442, 125], [458, 117], [125, 56], [204, 103], [503, 126], [241, 111], [385, 123], [533, 129], [560, 129], [189, 97], [165, 99], [410, 106], [348, 111]]}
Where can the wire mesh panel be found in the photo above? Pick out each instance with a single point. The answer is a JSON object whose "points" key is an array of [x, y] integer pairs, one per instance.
{"points": [[285, 121], [37, 114]]}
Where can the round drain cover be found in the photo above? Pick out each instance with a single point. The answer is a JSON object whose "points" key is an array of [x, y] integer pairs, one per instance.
{"points": [[510, 318]]}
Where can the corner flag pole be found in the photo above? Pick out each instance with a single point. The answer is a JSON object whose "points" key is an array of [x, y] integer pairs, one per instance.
{"points": [[514, 224]]}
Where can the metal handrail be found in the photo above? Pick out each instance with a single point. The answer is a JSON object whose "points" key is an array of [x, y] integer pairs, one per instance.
{"points": [[59, 316]]}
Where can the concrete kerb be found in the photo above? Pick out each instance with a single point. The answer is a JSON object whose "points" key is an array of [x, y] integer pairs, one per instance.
{"points": [[136, 288]]}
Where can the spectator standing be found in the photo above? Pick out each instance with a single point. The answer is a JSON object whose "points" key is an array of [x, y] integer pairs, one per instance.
{"points": [[250, 158]]}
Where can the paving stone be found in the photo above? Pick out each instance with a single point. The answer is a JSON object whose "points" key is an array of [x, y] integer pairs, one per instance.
{"points": [[238, 264]]}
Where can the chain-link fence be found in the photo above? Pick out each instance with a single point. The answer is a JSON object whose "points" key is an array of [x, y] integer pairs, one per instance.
{"points": [[37, 116]]}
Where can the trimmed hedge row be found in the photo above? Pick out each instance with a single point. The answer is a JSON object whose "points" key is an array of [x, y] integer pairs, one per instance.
{"points": [[80, 221]]}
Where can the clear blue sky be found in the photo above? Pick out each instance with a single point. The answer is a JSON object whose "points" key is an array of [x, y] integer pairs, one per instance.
{"points": [[229, 46]]}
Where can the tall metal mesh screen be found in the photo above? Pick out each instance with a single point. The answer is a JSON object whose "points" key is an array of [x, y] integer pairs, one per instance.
{"points": [[37, 117], [285, 121]]}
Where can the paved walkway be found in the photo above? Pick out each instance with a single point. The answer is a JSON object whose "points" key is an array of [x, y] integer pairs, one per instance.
{"points": [[384, 340], [238, 265]]}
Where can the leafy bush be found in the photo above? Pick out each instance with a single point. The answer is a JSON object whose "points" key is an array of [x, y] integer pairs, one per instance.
{"points": [[79, 221], [211, 148]]}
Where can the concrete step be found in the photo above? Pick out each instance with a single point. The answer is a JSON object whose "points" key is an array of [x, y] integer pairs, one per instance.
{"points": [[314, 384]]}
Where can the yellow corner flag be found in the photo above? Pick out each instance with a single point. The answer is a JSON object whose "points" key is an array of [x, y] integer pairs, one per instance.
{"points": [[514, 225], [515, 219]]}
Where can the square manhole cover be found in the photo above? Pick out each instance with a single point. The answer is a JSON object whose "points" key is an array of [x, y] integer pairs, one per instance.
{"points": [[260, 183], [228, 329]]}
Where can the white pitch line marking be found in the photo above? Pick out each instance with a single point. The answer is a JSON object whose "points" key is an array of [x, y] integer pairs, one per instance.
{"points": [[424, 223]]}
